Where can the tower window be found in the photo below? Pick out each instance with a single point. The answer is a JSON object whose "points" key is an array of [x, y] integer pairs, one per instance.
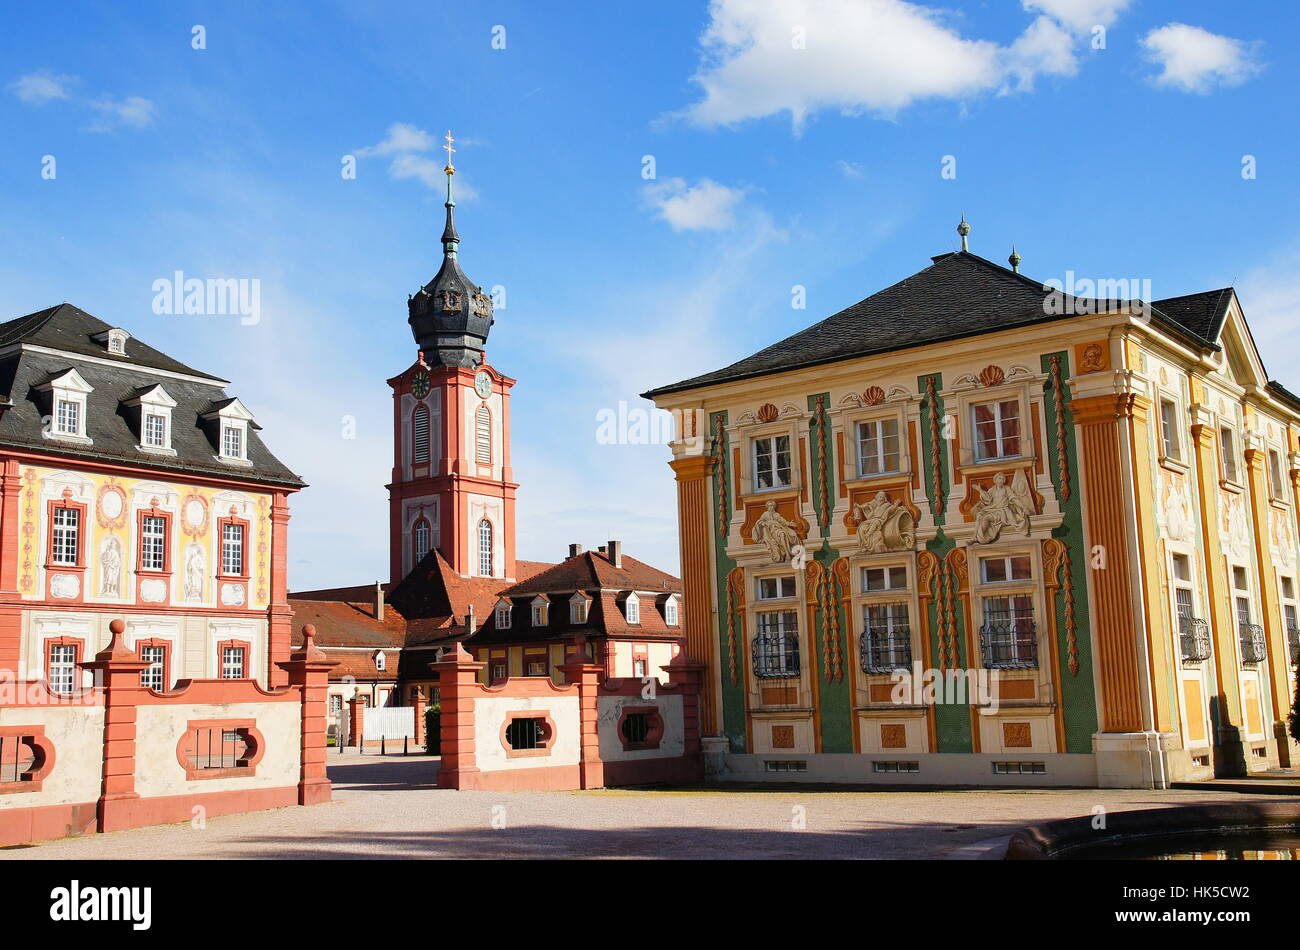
{"points": [[483, 435], [420, 435], [485, 548], [421, 539]]}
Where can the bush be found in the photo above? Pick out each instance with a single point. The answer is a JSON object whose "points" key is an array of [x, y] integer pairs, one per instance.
{"points": [[433, 729], [1295, 712]]}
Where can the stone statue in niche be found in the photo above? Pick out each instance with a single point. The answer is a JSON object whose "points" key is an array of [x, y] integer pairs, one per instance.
{"points": [[775, 533], [884, 525], [194, 572], [1002, 506], [110, 568]]}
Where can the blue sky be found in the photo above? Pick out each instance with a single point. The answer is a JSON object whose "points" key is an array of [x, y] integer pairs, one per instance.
{"points": [[776, 164]]}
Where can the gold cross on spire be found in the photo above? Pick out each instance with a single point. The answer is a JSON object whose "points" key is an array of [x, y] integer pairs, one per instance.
{"points": [[451, 168]]}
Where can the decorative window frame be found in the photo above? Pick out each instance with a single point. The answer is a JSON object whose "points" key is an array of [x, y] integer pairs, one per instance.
{"points": [[232, 415], [79, 568], [547, 740], [654, 728], [43, 752], [748, 468], [222, 646], [1279, 493], [114, 340], [1033, 587], [155, 401], [221, 561], [248, 766], [478, 547], [1226, 482], [1193, 583], [862, 599], [167, 646], [78, 657], [1178, 463], [758, 576], [67, 386], [850, 421], [153, 512], [1021, 389], [416, 556]]}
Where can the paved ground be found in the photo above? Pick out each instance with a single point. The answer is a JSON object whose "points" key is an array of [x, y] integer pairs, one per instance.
{"points": [[387, 807]]}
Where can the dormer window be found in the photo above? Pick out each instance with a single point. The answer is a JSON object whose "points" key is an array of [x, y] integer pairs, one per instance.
{"points": [[503, 614], [154, 405], [670, 611], [633, 608], [114, 340], [539, 606], [381, 661], [67, 406], [229, 423], [578, 608]]}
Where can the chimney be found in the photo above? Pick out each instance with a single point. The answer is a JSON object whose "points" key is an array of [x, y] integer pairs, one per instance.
{"points": [[379, 601], [575, 550], [615, 549], [471, 622]]}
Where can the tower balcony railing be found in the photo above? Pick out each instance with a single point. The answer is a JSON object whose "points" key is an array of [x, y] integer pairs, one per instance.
{"points": [[885, 650], [1009, 644], [1253, 647], [1194, 635]]}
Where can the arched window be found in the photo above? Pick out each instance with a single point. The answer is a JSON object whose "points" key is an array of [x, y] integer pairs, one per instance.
{"points": [[420, 435], [485, 548], [421, 539], [483, 435]]}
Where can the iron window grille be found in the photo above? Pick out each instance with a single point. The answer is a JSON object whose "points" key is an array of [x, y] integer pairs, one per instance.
{"points": [[776, 646], [1009, 637], [1253, 648], [886, 644], [1194, 634], [523, 734]]}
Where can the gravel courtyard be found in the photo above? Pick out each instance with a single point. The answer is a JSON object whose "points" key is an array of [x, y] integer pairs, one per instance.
{"points": [[388, 808]]}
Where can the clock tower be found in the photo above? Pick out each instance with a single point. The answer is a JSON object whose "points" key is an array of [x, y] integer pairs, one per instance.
{"points": [[452, 487]]}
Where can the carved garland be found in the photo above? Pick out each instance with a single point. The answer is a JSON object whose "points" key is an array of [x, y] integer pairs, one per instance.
{"points": [[937, 502], [1071, 634], [720, 474], [735, 604], [843, 591], [1062, 460], [823, 496]]}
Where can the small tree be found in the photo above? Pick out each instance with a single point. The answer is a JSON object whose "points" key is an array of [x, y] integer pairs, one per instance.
{"points": [[433, 729], [1295, 711]]}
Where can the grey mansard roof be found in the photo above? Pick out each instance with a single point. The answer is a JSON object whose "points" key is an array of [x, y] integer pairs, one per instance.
{"points": [[959, 295], [45, 344]]}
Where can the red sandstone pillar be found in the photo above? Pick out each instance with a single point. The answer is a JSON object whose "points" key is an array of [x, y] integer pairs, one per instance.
{"points": [[688, 677], [581, 670], [11, 540], [119, 670], [417, 701], [356, 720], [279, 614], [308, 670], [456, 678]]}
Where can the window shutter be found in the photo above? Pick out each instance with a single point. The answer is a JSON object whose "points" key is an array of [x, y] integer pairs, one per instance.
{"points": [[483, 435], [420, 435]]}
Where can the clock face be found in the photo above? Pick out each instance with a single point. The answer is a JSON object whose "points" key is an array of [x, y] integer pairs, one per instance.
{"points": [[420, 385], [483, 384]]}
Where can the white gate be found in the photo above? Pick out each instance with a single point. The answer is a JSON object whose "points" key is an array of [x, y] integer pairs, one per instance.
{"points": [[389, 722]]}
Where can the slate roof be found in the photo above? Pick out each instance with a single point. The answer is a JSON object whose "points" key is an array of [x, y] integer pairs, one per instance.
{"points": [[959, 295], [115, 378], [1201, 314]]}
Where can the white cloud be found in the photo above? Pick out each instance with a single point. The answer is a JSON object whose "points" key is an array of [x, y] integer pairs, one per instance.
{"points": [[850, 169], [408, 146], [761, 58], [1080, 15], [1196, 60], [135, 111], [704, 206], [41, 87]]}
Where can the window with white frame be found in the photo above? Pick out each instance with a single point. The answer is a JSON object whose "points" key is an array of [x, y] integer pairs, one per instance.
{"points": [[1008, 635], [776, 644], [421, 539], [486, 556], [503, 615], [232, 441], [539, 613], [578, 609], [1011, 567], [67, 417], [775, 588], [155, 430], [1170, 445], [886, 643], [1228, 450], [878, 447], [232, 663], [153, 543], [1276, 489], [876, 579], [62, 672], [771, 462], [232, 549], [381, 661], [152, 676], [633, 608], [67, 406], [65, 536], [997, 428], [670, 611], [1289, 618]]}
